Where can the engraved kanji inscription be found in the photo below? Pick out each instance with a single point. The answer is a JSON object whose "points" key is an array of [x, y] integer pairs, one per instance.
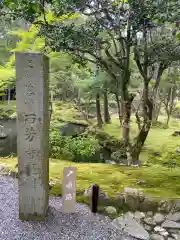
{"points": [[30, 133], [29, 89], [30, 63], [32, 153], [30, 118], [69, 185], [68, 196]]}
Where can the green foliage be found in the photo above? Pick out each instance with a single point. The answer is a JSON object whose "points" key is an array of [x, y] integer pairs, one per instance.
{"points": [[169, 158], [77, 149]]}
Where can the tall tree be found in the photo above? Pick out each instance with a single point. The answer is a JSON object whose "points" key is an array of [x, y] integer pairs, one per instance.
{"points": [[122, 28]]}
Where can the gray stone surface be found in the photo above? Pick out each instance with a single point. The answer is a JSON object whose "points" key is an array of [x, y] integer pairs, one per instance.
{"points": [[158, 218], [131, 226], [56, 226], [149, 221], [171, 224], [174, 217], [156, 237], [139, 215], [32, 103]]}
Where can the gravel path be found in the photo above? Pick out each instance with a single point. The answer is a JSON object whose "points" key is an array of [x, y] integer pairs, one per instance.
{"points": [[56, 226]]}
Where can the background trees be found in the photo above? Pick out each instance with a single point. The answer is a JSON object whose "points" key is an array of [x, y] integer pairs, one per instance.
{"points": [[104, 48]]}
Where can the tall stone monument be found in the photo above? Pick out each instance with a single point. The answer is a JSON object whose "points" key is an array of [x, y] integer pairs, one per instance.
{"points": [[32, 97]]}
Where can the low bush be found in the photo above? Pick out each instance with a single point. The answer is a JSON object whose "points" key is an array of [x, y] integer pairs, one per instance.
{"points": [[169, 158], [78, 149]]}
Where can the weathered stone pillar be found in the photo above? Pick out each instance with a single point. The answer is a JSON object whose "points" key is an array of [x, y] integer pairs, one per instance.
{"points": [[32, 101]]}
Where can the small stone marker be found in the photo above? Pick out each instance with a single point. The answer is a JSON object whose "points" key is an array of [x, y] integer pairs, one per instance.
{"points": [[94, 208], [94, 200], [32, 98], [69, 190]]}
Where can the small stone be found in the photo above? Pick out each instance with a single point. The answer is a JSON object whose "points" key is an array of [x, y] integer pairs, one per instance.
{"points": [[150, 214], [176, 236], [111, 211], [158, 218], [156, 237], [164, 233], [148, 227], [174, 217], [166, 206], [176, 206], [139, 215], [171, 224], [173, 231], [159, 229], [149, 221]]}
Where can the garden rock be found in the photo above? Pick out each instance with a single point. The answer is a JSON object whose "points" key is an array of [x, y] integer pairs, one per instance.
{"points": [[171, 224], [156, 237], [176, 206], [133, 197], [176, 236], [159, 229], [111, 211], [149, 221], [120, 199], [131, 227], [174, 217], [165, 206], [164, 233], [148, 205], [176, 133], [150, 214], [139, 215], [158, 218], [148, 227], [175, 231]]}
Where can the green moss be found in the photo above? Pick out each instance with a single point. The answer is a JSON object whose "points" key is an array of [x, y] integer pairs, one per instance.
{"points": [[157, 180]]}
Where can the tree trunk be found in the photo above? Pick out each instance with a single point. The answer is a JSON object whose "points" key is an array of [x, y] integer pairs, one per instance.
{"points": [[158, 111], [98, 111], [143, 133], [168, 117], [9, 97], [126, 123], [155, 92], [107, 118], [120, 115]]}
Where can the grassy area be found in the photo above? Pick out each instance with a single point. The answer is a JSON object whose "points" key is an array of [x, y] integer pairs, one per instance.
{"points": [[158, 140], [157, 181]]}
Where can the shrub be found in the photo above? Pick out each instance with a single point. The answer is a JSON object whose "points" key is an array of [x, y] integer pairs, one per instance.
{"points": [[79, 149], [169, 158], [176, 111]]}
